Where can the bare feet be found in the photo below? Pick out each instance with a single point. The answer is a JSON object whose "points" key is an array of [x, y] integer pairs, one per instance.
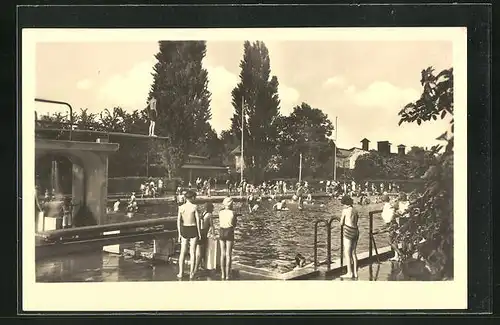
{"points": [[346, 276], [191, 276], [179, 276]]}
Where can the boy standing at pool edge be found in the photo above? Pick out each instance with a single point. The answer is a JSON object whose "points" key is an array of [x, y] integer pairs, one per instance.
{"points": [[227, 223], [349, 221], [188, 227]]}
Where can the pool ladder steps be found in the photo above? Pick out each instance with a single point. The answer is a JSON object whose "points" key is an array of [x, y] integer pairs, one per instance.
{"points": [[328, 225]]}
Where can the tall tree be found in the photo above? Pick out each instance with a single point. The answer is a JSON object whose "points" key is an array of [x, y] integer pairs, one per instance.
{"points": [[429, 229], [307, 131], [183, 101], [259, 90]]}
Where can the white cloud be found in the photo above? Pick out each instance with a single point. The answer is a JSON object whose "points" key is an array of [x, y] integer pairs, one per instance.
{"points": [[128, 90], [383, 94], [350, 90], [220, 83], [336, 81], [84, 84], [289, 98]]}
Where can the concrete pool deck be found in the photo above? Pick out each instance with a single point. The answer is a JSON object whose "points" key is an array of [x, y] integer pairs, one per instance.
{"points": [[116, 268]]}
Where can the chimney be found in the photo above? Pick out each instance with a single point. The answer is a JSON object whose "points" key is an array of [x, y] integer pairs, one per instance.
{"points": [[365, 144], [384, 147], [401, 150]]}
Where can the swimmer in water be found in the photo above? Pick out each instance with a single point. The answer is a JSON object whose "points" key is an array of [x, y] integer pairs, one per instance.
{"points": [[300, 261], [349, 221], [188, 221], [280, 206], [227, 223]]}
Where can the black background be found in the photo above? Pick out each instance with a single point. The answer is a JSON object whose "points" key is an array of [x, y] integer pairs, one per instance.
{"points": [[477, 19]]}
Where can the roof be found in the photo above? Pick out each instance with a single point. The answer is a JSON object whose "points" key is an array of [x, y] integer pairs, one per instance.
{"points": [[384, 142], [236, 151], [401, 146], [343, 152], [191, 166], [199, 157], [365, 140]]}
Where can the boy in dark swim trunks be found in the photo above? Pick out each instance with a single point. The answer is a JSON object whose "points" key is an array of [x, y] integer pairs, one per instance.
{"points": [[349, 221], [227, 222], [188, 221], [206, 226]]}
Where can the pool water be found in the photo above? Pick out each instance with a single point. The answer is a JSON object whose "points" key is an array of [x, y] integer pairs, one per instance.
{"points": [[271, 239], [266, 239]]}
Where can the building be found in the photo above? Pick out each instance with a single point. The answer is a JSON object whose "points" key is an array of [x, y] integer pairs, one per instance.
{"points": [[200, 166], [238, 161], [346, 158]]}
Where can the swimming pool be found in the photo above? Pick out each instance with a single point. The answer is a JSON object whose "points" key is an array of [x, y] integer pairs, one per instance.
{"points": [[266, 239]]}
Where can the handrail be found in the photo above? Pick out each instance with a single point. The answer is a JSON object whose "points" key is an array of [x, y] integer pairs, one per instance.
{"points": [[108, 133], [78, 231], [371, 238], [329, 241], [60, 103], [316, 224]]}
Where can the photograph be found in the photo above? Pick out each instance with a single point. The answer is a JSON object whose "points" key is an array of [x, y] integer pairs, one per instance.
{"points": [[245, 157]]}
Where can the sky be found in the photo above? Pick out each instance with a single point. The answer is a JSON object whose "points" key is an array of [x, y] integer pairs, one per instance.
{"points": [[362, 83]]}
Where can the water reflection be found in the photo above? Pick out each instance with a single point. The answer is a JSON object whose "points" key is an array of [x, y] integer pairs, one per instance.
{"points": [[271, 239]]}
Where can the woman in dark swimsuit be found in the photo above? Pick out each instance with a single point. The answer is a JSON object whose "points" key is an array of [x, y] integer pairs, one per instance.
{"points": [[349, 221], [206, 226], [188, 221]]}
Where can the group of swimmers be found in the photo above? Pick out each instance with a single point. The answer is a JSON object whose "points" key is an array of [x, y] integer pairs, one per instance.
{"points": [[195, 229]]}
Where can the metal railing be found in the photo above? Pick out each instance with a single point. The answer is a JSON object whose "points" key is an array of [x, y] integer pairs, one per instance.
{"points": [[328, 225], [42, 100], [372, 245]]}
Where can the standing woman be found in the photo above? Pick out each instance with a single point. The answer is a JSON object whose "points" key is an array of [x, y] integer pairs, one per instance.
{"points": [[227, 223], [349, 221], [188, 221], [152, 116], [206, 227]]}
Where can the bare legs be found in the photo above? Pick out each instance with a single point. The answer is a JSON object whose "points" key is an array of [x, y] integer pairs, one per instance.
{"points": [[226, 248], [200, 255], [182, 256], [351, 258], [192, 256], [152, 128]]}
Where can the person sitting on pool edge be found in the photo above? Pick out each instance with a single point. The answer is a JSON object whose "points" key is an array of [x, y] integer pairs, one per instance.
{"points": [[188, 221], [227, 223], [349, 221]]}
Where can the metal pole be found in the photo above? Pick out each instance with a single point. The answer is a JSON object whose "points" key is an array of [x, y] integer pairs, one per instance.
{"points": [[334, 161], [335, 151], [60, 103], [370, 234], [300, 168], [329, 244], [341, 246], [242, 132]]}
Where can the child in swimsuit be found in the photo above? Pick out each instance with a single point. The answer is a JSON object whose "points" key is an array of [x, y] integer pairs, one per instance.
{"points": [[349, 221], [206, 226], [188, 222], [227, 222]]}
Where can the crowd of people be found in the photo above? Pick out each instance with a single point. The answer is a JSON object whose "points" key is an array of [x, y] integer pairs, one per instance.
{"points": [[196, 228], [152, 188]]}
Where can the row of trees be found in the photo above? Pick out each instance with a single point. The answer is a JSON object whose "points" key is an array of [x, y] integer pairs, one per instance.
{"points": [[272, 142]]}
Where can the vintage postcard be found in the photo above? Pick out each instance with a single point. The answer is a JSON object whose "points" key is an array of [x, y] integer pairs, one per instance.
{"points": [[266, 169]]}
